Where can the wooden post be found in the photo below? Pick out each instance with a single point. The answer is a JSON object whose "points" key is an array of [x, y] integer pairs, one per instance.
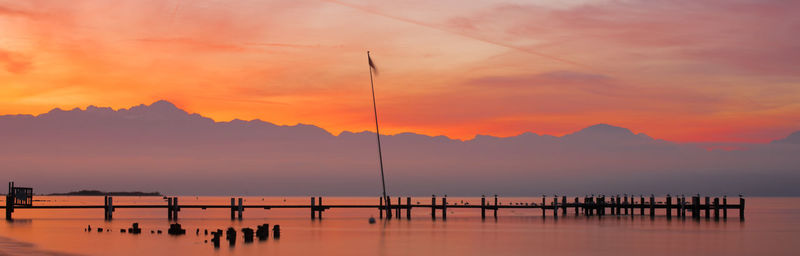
{"points": [[708, 208], [105, 207], [313, 212], [652, 206], [408, 210], [320, 208], [176, 209], [741, 208], [543, 207], [10, 201], [564, 205], [695, 207], [241, 207], [110, 208], [632, 206], [233, 208], [669, 207], [716, 208], [380, 207], [433, 207], [483, 207], [388, 208], [555, 207], [625, 204], [444, 208], [399, 204], [619, 206], [576, 206], [169, 208], [725, 207], [641, 204]]}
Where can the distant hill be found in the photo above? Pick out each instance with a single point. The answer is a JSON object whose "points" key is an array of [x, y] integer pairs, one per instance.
{"points": [[101, 193], [159, 147]]}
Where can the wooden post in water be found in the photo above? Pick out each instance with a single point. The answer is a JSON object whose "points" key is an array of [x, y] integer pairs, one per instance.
{"points": [[175, 208], [408, 210], [314, 213], [399, 204], [652, 206], [564, 205], [716, 208], [10, 201], [444, 208], [240, 209], [741, 208], [708, 207], [110, 208], [105, 207], [169, 208], [543, 207], [555, 207], [641, 204], [724, 207], [576, 206], [380, 207], [619, 206], [433, 207], [626, 205], [695, 205], [233, 208], [388, 208], [320, 208], [669, 207]]}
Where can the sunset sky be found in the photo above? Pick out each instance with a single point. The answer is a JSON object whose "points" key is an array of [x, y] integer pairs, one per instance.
{"points": [[684, 71]]}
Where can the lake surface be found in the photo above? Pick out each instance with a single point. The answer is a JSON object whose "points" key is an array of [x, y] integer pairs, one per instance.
{"points": [[772, 227]]}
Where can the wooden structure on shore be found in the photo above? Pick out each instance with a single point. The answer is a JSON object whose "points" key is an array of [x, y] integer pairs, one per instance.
{"points": [[697, 207]]}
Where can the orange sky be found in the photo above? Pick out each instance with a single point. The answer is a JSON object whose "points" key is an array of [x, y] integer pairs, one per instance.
{"points": [[676, 70]]}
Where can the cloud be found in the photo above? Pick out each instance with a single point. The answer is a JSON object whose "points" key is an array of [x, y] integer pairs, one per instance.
{"points": [[15, 63]]}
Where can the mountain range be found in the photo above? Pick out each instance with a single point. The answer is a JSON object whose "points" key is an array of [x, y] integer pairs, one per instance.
{"points": [[159, 147]]}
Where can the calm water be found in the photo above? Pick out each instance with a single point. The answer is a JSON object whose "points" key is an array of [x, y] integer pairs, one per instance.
{"points": [[772, 228]]}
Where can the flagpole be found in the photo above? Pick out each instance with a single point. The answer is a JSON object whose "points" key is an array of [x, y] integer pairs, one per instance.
{"points": [[378, 134]]}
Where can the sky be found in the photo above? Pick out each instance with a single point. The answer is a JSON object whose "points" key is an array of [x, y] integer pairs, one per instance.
{"points": [[686, 71]]}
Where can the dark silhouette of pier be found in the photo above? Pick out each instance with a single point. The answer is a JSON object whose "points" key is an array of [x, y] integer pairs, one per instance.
{"points": [[696, 207]]}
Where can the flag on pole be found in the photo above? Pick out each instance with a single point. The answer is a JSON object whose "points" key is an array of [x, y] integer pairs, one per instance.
{"points": [[372, 65]]}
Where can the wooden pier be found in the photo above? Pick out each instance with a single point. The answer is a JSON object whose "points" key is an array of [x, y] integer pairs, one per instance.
{"points": [[587, 206]]}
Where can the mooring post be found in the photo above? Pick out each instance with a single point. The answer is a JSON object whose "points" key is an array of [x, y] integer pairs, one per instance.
{"points": [[576, 206], [741, 208], [669, 207], [543, 207], [625, 204], [388, 208], [314, 213], [695, 207], [601, 211], [10, 201], [708, 208], [641, 204], [240, 208], [169, 208], [716, 208], [444, 207], [614, 205], [399, 205], [618, 206], [176, 209], [724, 207], [632, 206], [105, 207], [483, 207], [408, 210], [110, 208], [652, 206], [320, 209], [233, 208], [564, 205], [380, 207], [433, 207], [555, 207]]}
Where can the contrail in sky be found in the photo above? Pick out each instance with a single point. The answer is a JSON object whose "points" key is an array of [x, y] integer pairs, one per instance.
{"points": [[509, 46]]}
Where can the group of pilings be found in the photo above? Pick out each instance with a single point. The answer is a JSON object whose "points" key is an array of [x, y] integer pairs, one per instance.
{"points": [[589, 206], [695, 206]]}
